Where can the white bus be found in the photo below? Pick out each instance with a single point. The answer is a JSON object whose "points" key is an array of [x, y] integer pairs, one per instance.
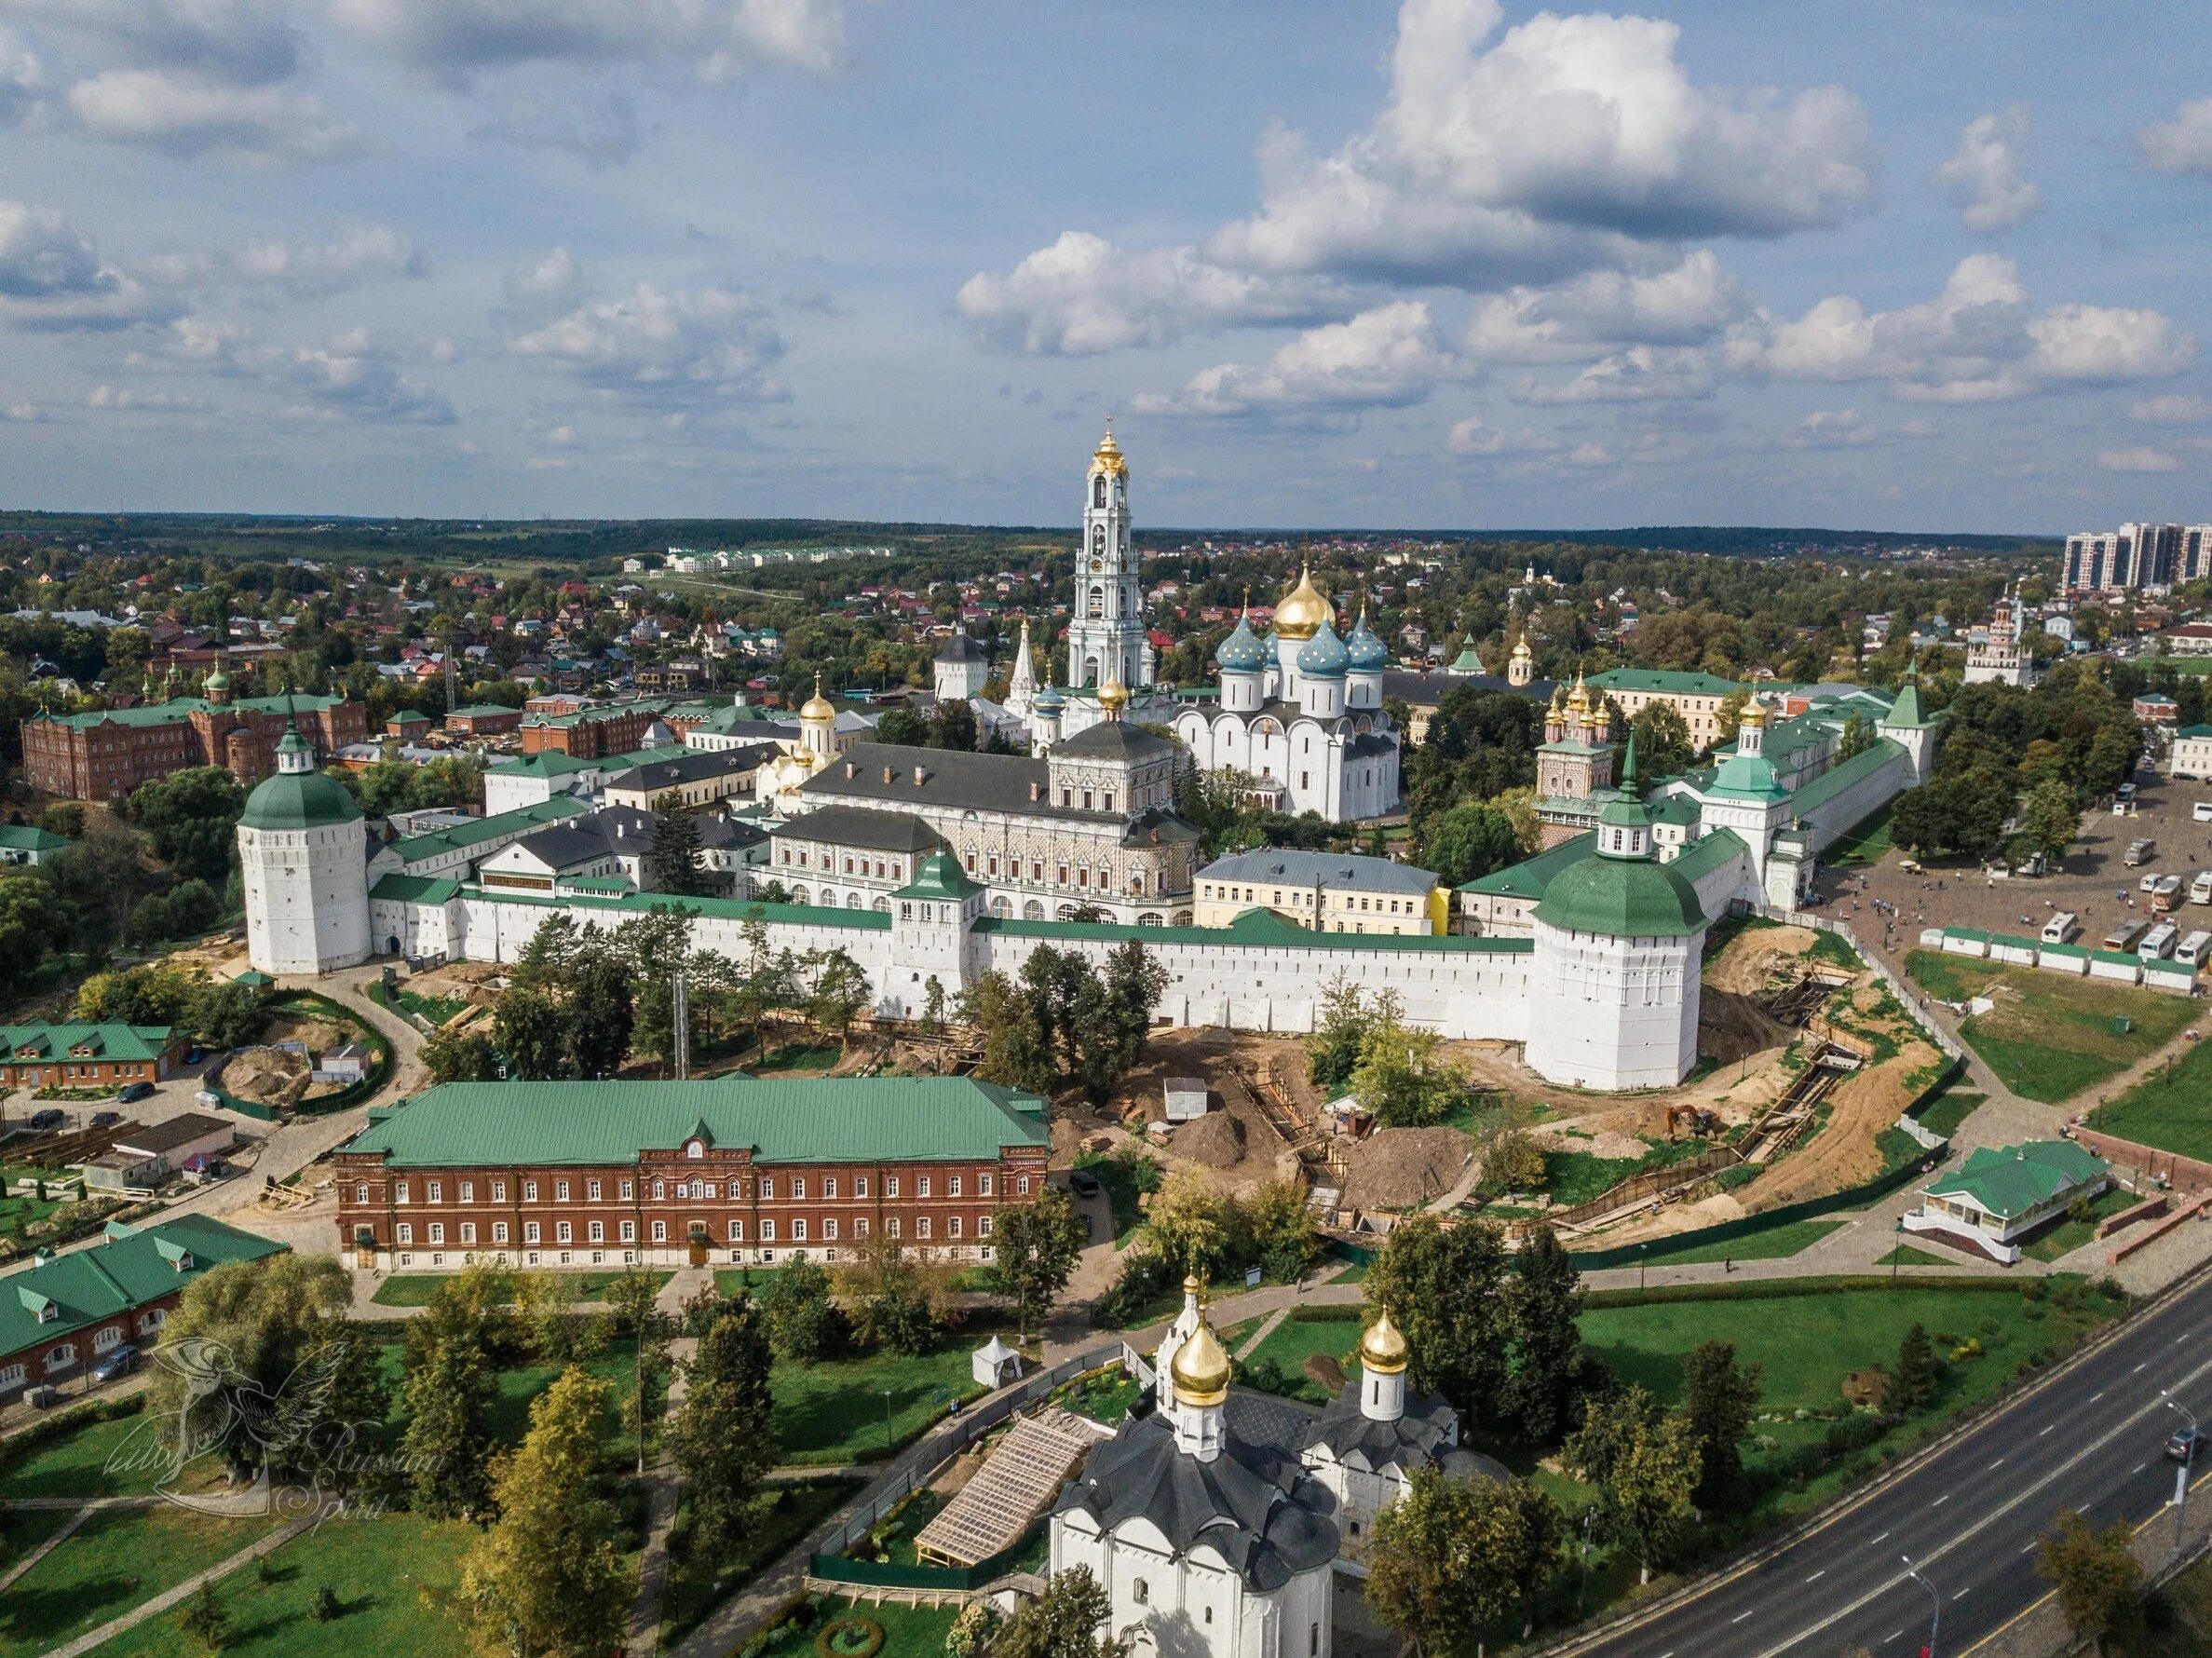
{"points": [[2158, 943], [2060, 929], [2200, 890], [2190, 952], [2138, 852]]}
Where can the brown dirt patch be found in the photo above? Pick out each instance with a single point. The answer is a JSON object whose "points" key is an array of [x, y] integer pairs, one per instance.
{"points": [[267, 1077], [1220, 1059], [1400, 1168], [1216, 1140], [1756, 957]]}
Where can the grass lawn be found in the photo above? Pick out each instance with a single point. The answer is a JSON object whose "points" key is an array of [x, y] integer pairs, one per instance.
{"points": [[696, 1585], [377, 1566], [508, 1418], [415, 1289], [22, 1206], [1904, 1255], [1105, 1397], [1949, 1109], [2171, 1109], [77, 1464], [1294, 1341], [2070, 1235], [2050, 1035], [1576, 1177], [792, 1056], [436, 1008], [1772, 1245], [1865, 843], [117, 1558], [834, 1411]]}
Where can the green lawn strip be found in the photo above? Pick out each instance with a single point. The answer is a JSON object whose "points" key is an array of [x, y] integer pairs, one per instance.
{"points": [[2070, 1235], [793, 1057], [1574, 1177], [2051, 1036], [436, 1008], [2170, 1109], [908, 1631], [834, 1411], [1904, 1255], [116, 1559], [1949, 1109], [1867, 842], [24, 1529], [697, 1586], [78, 1463], [415, 1289], [1772, 1245], [377, 1566], [1294, 1341]]}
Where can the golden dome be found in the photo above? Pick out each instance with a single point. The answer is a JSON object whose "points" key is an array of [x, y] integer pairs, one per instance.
{"points": [[1382, 1349], [1755, 713], [1113, 696], [818, 707], [1201, 1370], [1521, 651], [1558, 698], [1108, 456], [1302, 610], [1580, 698]]}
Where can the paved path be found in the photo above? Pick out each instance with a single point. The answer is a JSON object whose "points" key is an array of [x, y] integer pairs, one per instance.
{"points": [[83, 1512], [1267, 1327], [185, 1590]]}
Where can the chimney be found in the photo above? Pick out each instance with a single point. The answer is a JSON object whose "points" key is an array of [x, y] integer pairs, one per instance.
{"points": [[852, 770], [1037, 791], [887, 774], [918, 775]]}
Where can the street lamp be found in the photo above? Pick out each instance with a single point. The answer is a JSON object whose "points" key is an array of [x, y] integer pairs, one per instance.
{"points": [[886, 1419], [1935, 1616], [1897, 1252], [1643, 1250], [2181, 1473]]}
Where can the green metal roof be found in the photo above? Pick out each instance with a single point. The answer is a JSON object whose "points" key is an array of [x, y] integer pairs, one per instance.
{"points": [[1904, 713], [2010, 1180], [2116, 959], [1623, 898], [1972, 935], [1663, 681], [47, 1041], [784, 1120], [299, 800], [1747, 777], [476, 710], [940, 876], [128, 1268], [438, 843], [2012, 941], [408, 716], [1531, 875], [2194, 731], [29, 838], [183, 708], [2071, 952], [1258, 930], [415, 889], [1837, 778], [1703, 855]]}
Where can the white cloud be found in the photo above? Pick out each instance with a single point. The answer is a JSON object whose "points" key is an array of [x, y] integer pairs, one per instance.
{"points": [[2182, 144], [717, 40], [1384, 358], [246, 43], [51, 277], [1641, 374], [189, 115], [1602, 310], [1983, 178], [1546, 152], [1832, 429], [351, 376], [1081, 295], [132, 397], [655, 346], [360, 255], [25, 414], [1476, 440], [1979, 341], [2176, 409], [545, 287], [23, 79], [2141, 459]]}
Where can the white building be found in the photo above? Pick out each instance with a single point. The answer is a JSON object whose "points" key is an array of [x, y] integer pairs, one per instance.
{"points": [[1301, 718], [1210, 1539], [303, 861], [1107, 639], [2003, 659], [962, 668]]}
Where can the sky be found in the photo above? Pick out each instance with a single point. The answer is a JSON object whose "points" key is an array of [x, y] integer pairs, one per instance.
{"points": [[1908, 265]]}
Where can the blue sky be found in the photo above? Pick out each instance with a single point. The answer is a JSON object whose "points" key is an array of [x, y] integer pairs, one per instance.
{"points": [[1454, 265]]}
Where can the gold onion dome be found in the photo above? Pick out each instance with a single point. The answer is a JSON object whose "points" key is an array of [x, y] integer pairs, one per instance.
{"points": [[817, 706], [1303, 610], [1201, 1368], [1108, 456], [1580, 698], [1521, 651], [1755, 713], [1113, 696], [1382, 1349]]}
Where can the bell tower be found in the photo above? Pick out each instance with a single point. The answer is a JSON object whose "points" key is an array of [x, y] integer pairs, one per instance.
{"points": [[1107, 639]]}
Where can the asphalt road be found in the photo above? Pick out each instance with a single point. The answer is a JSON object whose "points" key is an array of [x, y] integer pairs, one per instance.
{"points": [[1970, 1516]]}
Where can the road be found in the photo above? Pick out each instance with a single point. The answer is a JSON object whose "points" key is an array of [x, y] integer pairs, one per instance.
{"points": [[1970, 1515]]}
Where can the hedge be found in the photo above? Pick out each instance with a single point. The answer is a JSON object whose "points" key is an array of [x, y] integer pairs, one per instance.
{"points": [[17, 1448]]}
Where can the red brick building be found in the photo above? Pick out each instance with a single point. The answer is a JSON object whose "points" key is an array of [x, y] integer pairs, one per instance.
{"points": [[592, 733], [104, 755], [484, 719], [42, 1055], [734, 1171]]}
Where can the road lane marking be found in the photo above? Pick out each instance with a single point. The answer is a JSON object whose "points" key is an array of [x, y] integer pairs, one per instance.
{"points": [[1818, 1575], [1741, 1616], [2033, 1547], [1941, 1501], [2096, 1395], [1890, 1637], [1878, 1540], [2140, 1368], [1998, 1463], [2138, 1468], [2047, 1429]]}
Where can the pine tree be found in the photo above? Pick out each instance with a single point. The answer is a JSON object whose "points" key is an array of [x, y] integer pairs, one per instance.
{"points": [[721, 1438], [1717, 1400], [674, 863], [1917, 1372], [203, 1620], [549, 1576]]}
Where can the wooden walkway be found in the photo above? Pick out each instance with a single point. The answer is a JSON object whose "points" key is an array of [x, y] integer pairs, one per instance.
{"points": [[990, 1511]]}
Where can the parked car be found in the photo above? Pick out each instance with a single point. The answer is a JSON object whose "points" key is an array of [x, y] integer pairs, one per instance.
{"points": [[121, 1361], [1083, 1183], [106, 1118], [2183, 1445], [45, 1122], [134, 1091]]}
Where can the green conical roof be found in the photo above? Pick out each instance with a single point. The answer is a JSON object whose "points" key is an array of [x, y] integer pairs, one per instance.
{"points": [[940, 876], [1905, 711], [1622, 897], [304, 799]]}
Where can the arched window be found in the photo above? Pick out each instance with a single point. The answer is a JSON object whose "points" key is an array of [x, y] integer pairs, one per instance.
{"points": [[1098, 490], [1097, 606], [1098, 540]]}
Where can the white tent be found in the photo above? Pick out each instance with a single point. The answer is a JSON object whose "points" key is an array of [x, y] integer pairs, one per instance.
{"points": [[993, 1363]]}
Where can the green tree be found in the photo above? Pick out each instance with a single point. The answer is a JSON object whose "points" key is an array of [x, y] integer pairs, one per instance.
{"points": [[1858, 736], [1333, 1050], [549, 1576], [458, 1056], [1435, 1570], [203, 1621], [1446, 1288], [1644, 1462], [1403, 1076], [804, 1322], [675, 863], [228, 1014], [2094, 1572], [1068, 1621], [192, 818], [1512, 1162], [1718, 1400], [1545, 1296], [894, 1297], [1917, 1370], [34, 920], [600, 1015], [721, 1437], [1035, 1247], [840, 993], [1017, 1049], [531, 1030], [2050, 818], [1663, 748], [1469, 842], [1191, 1223], [447, 1443]]}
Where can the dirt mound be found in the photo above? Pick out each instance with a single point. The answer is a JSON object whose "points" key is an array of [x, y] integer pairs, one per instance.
{"points": [[1398, 1168], [1756, 956], [267, 1077], [1216, 1139]]}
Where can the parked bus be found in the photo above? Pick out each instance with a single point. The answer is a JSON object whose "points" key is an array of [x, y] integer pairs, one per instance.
{"points": [[2126, 935], [2200, 890], [2138, 851], [2159, 943], [2166, 892], [2060, 929], [2190, 952]]}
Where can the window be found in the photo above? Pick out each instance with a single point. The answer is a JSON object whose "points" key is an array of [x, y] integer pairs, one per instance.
{"points": [[737, 1231], [1314, 1639], [799, 1185], [1022, 1185], [767, 1232], [890, 1227], [798, 1231], [952, 1227], [531, 1232], [1140, 1592], [561, 1191], [437, 1231], [629, 1231], [951, 1186], [110, 1336], [983, 1184], [400, 1192], [829, 1186], [661, 1231], [499, 1192], [982, 1227], [1106, 802], [660, 1190], [434, 1191], [61, 1357], [498, 1231], [860, 1185], [467, 1231], [628, 1189], [150, 1321], [563, 1233], [859, 1227], [921, 1226], [890, 1186], [469, 1192], [529, 1192], [592, 1190], [360, 1194], [829, 1231], [922, 1186], [12, 1376], [406, 1233]]}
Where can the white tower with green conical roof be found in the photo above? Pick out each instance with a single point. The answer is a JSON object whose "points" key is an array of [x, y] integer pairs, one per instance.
{"points": [[303, 863]]}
